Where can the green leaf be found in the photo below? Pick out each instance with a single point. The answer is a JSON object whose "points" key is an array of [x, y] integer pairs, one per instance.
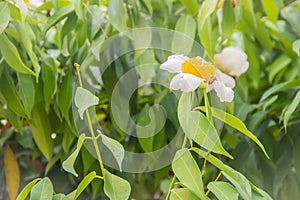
{"points": [[27, 91], [84, 183], [148, 6], [117, 15], [84, 99], [270, 9], [60, 197], [150, 121], [41, 130], [115, 187], [5, 16], [182, 194], [25, 40], [115, 148], [187, 171], [296, 47], [291, 109], [292, 15], [81, 32], [23, 194], [49, 76], [11, 94], [235, 123], [12, 56], [278, 65], [57, 17], [280, 87], [191, 6], [185, 31], [198, 128], [228, 20], [68, 164], [223, 190], [65, 96], [43, 190], [241, 183], [207, 8], [236, 178]]}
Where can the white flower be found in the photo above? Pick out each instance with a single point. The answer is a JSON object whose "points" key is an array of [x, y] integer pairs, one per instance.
{"points": [[232, 60], [35, 3], [195, 72]]}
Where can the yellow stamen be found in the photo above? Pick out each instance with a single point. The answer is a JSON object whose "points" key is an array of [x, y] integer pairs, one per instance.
{"points": [[26, 1], [199, 68]]}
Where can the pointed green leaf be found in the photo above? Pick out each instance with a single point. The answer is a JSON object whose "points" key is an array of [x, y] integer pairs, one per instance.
{"points": [[290, 109], [41, 130], [296, 47], [185, 34], [278, 65], [270, 9], [223, 190], [57, 16], [12, 56], [11, 94], [241, 183], [207, 8], [68, 164], [228, 20], [25, 40], [23, 194], [236, 178], [187, 171], [5, 16], [117, 15], [115, 148], [43, 190], [60, 197], [183, 194], [27, 91], [198, 128], [191, 6], [280, 87], [235, 123], [65, 95], [116, 188], [84, 183], [84, 99]]}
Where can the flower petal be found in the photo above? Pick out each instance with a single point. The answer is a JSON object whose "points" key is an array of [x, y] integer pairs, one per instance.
{"points": [[226, 79], [173, 64], [232, 60], [185, 82], [223, 92]]}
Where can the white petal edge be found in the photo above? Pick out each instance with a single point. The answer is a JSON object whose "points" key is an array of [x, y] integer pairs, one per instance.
{"points": [[173, 64], [185, 82], [225, 94], [226, 79]]}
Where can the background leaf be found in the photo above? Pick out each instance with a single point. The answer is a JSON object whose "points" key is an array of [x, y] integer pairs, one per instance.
{"points": [[116, 14], [223, 190], [188, 172], [115, 187], [43, 190]]}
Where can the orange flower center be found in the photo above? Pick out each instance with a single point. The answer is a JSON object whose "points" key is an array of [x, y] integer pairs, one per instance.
{"points": [[26, 1], [199, 68]]}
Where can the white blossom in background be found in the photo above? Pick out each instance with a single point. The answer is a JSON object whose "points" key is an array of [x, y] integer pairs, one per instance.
{"points": [[35, 3], [192, 73], [232, 61]]}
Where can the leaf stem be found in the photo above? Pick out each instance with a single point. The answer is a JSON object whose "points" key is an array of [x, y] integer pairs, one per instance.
{"points": [[207, 106], [216, 179], [94, 138]]}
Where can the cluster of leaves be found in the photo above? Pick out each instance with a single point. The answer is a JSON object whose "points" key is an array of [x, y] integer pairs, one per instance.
{"points": [[39, 47]]}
